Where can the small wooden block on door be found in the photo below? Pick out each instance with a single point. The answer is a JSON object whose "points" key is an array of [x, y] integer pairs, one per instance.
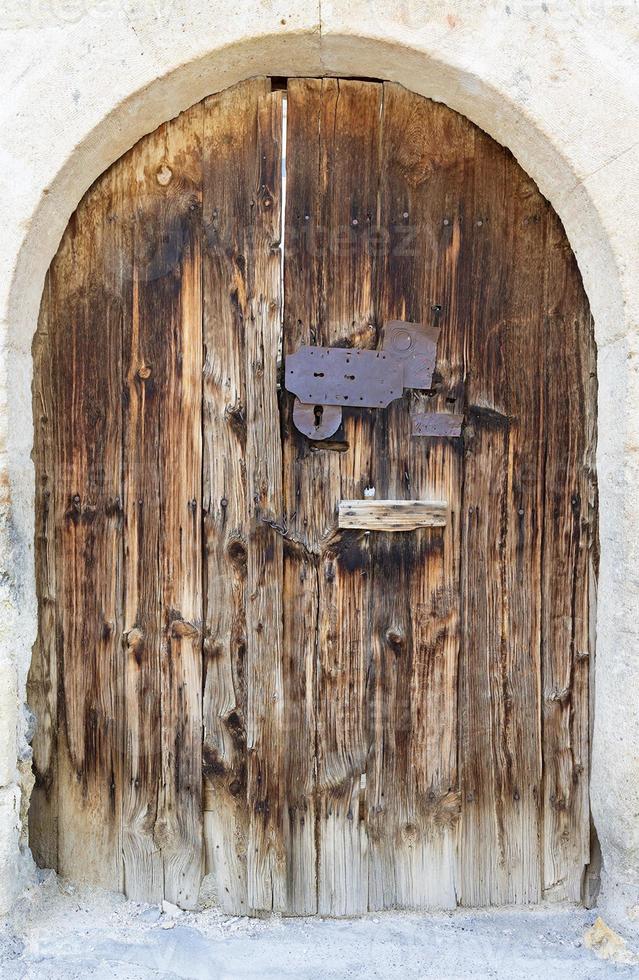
{"points": [[391, 515]]}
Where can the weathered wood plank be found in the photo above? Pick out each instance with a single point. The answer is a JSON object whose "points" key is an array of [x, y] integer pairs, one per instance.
{"points": [[482, 707], [142, 354], [391, 515], [86, 313], [142, 351], [268, 872], [177, 297], [42, 687], [568, 553], [331, 217], [501, 548], [161, 815], [413, 800], [231, 170], [350, 132], [302, 469]]}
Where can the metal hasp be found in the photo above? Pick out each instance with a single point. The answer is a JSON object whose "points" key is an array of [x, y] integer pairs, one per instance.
{"points": [[344, 376], [327, 378]]}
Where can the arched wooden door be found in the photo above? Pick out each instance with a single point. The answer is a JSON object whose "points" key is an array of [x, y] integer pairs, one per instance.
{"points": [[227, 682]]}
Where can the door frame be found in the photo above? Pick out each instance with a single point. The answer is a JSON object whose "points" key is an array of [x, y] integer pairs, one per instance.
{"points": [[597, 222]]}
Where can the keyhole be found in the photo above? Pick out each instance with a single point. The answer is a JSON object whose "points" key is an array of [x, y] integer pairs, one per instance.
{"points": [[318, 411]]}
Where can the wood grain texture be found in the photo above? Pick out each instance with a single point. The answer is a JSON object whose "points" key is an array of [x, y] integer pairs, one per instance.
{"points": [[501, 747], [568, 568], [329, 271], [302, 527], [232, 673], [179, 826], [42, 687], [162, 466], [267, 687], [86, 307], [413, 783], [391, 515], [143, 346], [246, 686], [230, 180]]}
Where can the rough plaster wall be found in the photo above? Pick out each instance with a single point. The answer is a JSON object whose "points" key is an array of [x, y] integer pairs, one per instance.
{"points": [[555, 81]]}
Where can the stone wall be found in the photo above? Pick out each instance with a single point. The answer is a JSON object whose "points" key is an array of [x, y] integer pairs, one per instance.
{"points": [[556, 81]]}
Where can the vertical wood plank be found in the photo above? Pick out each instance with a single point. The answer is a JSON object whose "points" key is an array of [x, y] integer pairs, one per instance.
{"points": [[231, 172], [180, 830], [350, 134], [423, 270], [142, 856], [42, 686], [302, 471], [268, 688], [483, 859], [333, 175], [142, 354], [568, 552], [500, 860], [87, 305], [162, 805]]}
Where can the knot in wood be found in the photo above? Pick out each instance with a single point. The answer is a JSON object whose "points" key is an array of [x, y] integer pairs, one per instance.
{"points": [[164, 175], [181, 628], [134, 641], [395, 638], [237, 553]]}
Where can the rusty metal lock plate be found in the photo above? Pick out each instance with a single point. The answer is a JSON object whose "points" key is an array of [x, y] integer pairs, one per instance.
{"points": [[415, 345], [316, 421], [345, 376], [445, 425]]}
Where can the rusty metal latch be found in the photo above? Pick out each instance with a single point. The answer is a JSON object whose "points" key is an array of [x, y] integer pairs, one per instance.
{"points": [[324, 379], [442, 424]]}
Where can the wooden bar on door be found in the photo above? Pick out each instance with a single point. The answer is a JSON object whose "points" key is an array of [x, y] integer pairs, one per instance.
{"points": [[391, 515]]}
